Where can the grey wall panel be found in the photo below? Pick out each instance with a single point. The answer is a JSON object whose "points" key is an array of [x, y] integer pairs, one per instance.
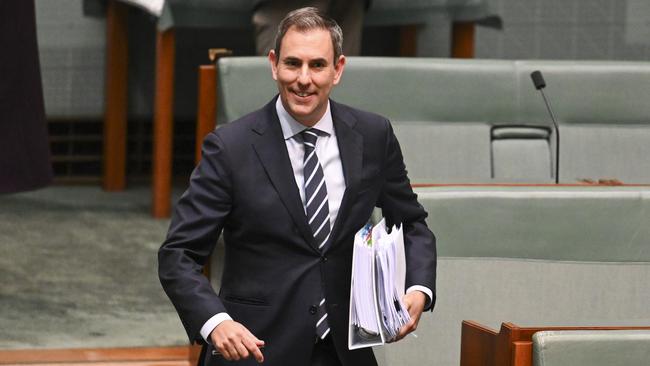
{"points": [[568, 30], [71, 50]]}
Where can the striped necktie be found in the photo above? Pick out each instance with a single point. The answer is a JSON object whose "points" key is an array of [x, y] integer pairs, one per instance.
{"points": [[317, 209]]}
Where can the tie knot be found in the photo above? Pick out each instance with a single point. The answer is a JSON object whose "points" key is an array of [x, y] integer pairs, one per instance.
{"points": [[309, 137]]}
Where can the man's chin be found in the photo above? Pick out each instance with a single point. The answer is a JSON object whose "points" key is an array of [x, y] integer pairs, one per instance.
{"points": [[300, 113]]}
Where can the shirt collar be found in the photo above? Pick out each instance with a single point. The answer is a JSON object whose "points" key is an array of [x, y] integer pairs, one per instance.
{"points": [[291, 127]]}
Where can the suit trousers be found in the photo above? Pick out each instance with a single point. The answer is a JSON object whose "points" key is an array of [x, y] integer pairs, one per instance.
{"points": [[347, 13]]}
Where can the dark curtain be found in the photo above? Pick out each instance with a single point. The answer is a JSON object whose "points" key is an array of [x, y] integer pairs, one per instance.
{"points": [[24, 149]]}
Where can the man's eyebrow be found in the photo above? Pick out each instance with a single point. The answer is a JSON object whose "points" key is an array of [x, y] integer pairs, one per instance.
{"points": [[296, 59], [320, 59], [290, 58]]}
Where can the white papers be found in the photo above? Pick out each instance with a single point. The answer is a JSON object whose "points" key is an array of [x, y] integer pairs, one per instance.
{"points": [[378, 279], [152, 6]]}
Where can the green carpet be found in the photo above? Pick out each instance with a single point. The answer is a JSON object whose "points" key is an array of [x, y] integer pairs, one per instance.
{"points": [[78, 268]]}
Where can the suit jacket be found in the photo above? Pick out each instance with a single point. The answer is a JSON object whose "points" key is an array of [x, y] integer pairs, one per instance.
{"points": [[273, 272]]}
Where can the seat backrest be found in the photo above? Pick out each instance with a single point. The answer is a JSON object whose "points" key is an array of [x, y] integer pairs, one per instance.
{"points": [[450, 115], [584, 224], [591, 348], [438, 107], [402, 89], [604, 116]]}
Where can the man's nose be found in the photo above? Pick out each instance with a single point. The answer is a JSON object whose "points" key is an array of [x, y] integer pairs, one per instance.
{"points": [[304, 76]]}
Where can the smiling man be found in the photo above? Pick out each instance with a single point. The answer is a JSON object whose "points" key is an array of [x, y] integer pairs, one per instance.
{"points": [[290, 185]]}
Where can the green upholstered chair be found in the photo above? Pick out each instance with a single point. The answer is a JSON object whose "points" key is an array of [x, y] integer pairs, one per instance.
{"points": [[592, 348]]}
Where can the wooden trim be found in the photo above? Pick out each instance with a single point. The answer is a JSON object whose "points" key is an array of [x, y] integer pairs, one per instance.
{"points": [[462, 39], [206, 114], [408, 41], [477, 344], [115, 115], [163, 124], [522, 353], [511, 346], [79, 355]]}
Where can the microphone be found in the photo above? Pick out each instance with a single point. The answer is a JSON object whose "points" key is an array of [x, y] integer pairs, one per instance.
{"points": [[540, 84]]}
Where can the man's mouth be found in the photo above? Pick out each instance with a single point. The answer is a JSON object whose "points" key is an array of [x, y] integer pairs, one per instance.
{"points": [[302, 94]]}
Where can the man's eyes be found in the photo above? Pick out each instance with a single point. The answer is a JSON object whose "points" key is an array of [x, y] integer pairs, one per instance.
{"points": [[314, 65]]}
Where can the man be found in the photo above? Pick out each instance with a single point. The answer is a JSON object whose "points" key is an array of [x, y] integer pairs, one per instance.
{"points": [[290, 185]]}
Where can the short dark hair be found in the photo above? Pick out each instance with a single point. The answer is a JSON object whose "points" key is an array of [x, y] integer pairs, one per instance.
{"points": [[309, 18]]}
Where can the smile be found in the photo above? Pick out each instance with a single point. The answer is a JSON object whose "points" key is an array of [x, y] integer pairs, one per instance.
{"points": [[302, 94]]}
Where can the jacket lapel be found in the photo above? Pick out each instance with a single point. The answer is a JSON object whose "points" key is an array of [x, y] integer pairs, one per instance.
{"points": [[351, 150], [272, 152]]}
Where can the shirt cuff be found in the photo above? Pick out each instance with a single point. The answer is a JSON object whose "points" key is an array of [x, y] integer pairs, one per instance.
{"points": [[212, 323], [427, 291]]}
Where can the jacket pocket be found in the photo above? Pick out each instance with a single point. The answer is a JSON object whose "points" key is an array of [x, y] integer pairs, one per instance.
{"points": [[246, 300]]}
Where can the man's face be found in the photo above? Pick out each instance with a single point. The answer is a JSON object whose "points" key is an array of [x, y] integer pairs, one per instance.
{"points": [[306, 73]]}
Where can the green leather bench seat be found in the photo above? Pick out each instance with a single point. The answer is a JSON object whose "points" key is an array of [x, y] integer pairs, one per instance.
{"points": [[538, 256], [591, 348], [604, 116], [575, 223], [482, 121]]}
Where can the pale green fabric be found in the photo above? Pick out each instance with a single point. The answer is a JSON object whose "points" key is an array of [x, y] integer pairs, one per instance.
{"points": [[402, 89], [604, 224], [522, 160], [442, 111], [521, 154], [603, 114], [445, 152], [526, 292], [426, 89], [592, 348], [610, 92], [605, 151]]}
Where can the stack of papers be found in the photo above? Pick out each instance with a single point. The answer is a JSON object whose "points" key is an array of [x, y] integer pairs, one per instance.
{"points": [[154, 7], [378, 276]]}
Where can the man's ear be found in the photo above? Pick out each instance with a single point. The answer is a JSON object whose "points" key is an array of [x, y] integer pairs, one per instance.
{"points": [[274, 64], [338, 69]]}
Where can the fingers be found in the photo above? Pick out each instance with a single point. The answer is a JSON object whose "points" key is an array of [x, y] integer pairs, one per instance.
{"points": [[253, 346], [234, 342], [414, 303], [242, 351], [409, 327]]}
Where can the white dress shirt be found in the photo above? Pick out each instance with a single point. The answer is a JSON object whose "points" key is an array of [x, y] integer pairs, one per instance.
{"points": [[327, 151]]}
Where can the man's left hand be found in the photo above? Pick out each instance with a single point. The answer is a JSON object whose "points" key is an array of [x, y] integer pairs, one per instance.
{"points": [[414, 302]]}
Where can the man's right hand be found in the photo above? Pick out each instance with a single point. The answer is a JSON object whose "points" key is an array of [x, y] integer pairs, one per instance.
{"points": [[235, 342]]}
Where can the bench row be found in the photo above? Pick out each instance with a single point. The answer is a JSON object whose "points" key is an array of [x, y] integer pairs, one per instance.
{"points": [[482, 121]]}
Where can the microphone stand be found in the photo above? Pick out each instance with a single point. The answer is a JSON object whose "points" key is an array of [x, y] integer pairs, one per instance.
{"points": [[540, 84]]}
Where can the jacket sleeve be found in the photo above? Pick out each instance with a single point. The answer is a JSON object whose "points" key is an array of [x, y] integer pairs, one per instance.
{"points": [[399, 204], [196, 223]]}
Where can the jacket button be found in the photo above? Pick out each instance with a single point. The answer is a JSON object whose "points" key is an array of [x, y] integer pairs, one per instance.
{"points": [[312, 310], [323, 259]]}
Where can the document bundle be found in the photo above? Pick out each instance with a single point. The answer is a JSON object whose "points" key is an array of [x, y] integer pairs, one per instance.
{"points": [[378, 279]]}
